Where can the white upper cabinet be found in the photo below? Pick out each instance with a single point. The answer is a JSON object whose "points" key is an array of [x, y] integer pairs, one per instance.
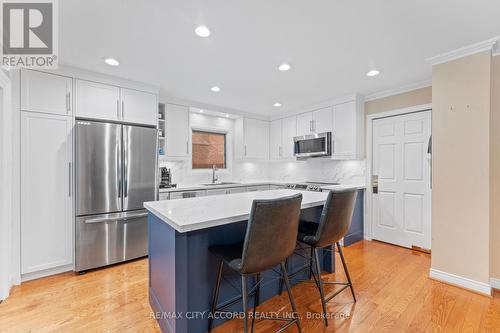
{"points": [[44, 92], [322, 120], [97, 100], [304, 123], [288, 132], [46, 191], [275, 148], [139, 107], [348, 128], [251, 139], [177, 132]]}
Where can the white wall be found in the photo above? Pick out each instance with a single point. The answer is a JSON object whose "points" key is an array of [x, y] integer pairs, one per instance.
{"points": [[319, 169]]}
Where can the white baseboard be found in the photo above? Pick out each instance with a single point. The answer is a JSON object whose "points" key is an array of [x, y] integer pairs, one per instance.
{"points": [[495, 283], [46, 272], [459, 281]]}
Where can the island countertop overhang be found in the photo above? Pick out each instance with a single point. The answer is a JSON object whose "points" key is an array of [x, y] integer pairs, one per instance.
{"points": [[185, 215]]}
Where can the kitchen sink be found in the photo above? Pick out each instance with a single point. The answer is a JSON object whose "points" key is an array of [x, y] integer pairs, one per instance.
{"points": [[219, 183]]}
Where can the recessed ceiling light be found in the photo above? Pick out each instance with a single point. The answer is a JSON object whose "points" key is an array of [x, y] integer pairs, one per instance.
{"points": [[202, 31], [215, 88], [201, 111], [277, 105], [227, 116], [112, 61], [373, 72], [284, 67]]}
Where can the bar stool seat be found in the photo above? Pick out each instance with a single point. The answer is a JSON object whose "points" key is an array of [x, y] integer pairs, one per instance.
{"points": [[307, 232], [230, 254]]}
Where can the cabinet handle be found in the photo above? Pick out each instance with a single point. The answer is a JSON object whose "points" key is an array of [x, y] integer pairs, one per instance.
{"points": [[69, 179], [280, 153], [68, 102], [313, 123], [123, 109], [245, 150], [118, 109], [187, 147]]}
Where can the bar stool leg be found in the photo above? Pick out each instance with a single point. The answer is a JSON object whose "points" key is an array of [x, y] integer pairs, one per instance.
{"points": [[290, 296], [320, 285], [346, 271], [311, 256], [256, 299], [281, 279], [215, 296], [244, 294]]}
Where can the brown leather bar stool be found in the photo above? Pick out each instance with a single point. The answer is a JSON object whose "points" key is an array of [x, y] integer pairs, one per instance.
{"points": [[270, 238], [333, 225]]}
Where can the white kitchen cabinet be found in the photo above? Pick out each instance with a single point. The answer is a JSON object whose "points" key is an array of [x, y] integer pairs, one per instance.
{"points": [[233, 190], [251, 139], [164, 196], [187, 194], [288, 132], [304, 123], [218, 191], [322, 120], [97, 100], [348, 128], [177, 130], [275, 148], [277, 187], [44, 92], [46, 191], [139, 107]]}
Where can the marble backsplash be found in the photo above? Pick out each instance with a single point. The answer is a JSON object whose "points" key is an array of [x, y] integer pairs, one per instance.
{"points": [[320, 169]]}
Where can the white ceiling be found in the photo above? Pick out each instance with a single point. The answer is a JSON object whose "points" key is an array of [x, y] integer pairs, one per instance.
{"points": [[330, 44]]}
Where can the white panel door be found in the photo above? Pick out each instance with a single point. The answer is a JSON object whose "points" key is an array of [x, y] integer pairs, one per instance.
{"points": [[97, 101], [402, 206], [323, 120], [304, 123], [139, 107], [46, 191], [288, 132], [43, 92], [177, 130], [275, 148]]}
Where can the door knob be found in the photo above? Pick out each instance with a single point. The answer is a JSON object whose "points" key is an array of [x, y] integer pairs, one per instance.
{"points": [[375, 184]]}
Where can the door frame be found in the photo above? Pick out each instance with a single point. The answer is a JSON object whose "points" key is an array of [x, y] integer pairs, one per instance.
{"points": [[368, 221]]}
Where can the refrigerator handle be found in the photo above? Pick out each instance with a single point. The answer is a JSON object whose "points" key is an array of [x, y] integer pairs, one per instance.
{"points": [[119, 165], [125, 162]]}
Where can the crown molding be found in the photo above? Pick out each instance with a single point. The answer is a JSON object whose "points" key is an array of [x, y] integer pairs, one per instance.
{"points": [[486, 45], [399, 90]]}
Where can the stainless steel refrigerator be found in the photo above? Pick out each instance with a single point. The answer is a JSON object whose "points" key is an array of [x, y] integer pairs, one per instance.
{"points": [[115, 174]]}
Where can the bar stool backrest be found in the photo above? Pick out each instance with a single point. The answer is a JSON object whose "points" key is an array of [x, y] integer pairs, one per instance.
{"points": [[336, 217], [271, 233]]}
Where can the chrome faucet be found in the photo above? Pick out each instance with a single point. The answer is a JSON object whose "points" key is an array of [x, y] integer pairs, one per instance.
{"points": [[215, 179]]}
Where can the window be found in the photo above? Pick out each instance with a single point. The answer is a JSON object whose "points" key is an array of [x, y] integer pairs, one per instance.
{"points": [[209, 149]]}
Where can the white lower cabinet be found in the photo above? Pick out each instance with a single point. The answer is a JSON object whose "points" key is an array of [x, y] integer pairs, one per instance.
{"points": [[187, 194], [46, 192], [237, 190], [217, 192], [164, 196], [258, 188]]}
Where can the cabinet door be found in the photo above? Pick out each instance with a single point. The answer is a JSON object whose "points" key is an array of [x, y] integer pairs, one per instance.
{"points": [[164, 196], [344, 130], [258, 188], [237, 190], [177, 130], [97, 101], [275, 140], [221, 191], [304, 124], [46, 191], [256, 134], [288, 132], [323, 120], [139, 107], [43, 92]]}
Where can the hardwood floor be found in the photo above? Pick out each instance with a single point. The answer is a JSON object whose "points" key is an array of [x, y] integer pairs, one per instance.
{"points": [[393, 290]]}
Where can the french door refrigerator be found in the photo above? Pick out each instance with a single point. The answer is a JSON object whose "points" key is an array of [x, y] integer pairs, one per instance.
{"points": [[115, 174]]}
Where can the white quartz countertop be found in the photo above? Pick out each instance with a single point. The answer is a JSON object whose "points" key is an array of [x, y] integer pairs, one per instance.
{"points": [[204, 212], [196, 187]]}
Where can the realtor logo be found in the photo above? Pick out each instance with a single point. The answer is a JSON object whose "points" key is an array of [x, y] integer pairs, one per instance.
{"points": [[29, 36]]}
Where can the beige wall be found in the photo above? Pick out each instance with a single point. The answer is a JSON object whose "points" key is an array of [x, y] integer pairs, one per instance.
{"points": [[495, 168], [404, 100], [461, 164]]}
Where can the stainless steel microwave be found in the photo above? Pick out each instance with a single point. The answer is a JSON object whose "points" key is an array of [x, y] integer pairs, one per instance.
{"points": [[313, 145]]}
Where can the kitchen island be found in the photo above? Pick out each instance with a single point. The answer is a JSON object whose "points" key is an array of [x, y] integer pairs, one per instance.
{"points": [[182, 271]]}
